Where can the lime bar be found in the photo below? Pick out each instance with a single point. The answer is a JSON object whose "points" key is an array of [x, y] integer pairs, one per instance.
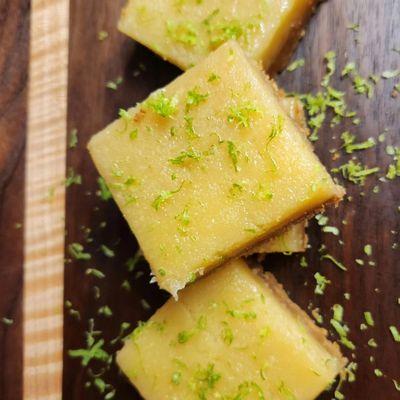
{"points": [[232, 335], [184, 32], [209, 167]]}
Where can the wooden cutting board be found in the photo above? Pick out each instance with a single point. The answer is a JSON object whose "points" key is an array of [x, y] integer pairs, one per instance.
{"points": [[14, 54], [71, 96]]}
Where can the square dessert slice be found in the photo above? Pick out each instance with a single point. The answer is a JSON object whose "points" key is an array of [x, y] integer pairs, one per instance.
{"points": [[185, 32], [208, 167], [232, 335]]}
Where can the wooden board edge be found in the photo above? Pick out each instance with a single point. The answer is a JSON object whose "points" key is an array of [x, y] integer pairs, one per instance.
{"points": [[45, 201]]}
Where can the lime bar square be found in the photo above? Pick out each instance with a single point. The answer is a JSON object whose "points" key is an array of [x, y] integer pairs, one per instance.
{"points": [[232, 335], [209, 167], [184, 32]]}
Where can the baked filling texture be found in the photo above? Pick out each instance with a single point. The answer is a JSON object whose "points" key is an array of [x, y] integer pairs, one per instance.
{"points": [[209, 167], [233, 334], [185, 32]]}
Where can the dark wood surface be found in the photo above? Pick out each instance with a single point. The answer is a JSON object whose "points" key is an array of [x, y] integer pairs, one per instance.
{"points": [[371, 218], [14, 41]]}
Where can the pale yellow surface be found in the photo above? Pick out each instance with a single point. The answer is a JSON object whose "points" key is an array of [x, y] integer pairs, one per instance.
{"points": [[240, 328], [185, 31], [212, 210]]}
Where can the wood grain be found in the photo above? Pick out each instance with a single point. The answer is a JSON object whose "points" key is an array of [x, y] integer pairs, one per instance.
{"points": [[14, 32], [371, 218], [45, 194]]}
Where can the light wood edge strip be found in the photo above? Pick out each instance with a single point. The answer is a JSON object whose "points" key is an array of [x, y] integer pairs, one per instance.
{"points": [[44, 220]]}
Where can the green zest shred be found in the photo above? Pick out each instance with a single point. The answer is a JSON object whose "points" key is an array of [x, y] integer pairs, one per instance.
{"points": [[113, 85], [133, 134], [391, 74], [362, 86], [206, 378], [395, 333], [71, 311], [318, 105], [190, 130], [222, 32], [276, 129], [184, 217], [394, 169], [201, 323], [124, 114], [284, 390], [145, 304], [322, 219], [105, 310], [103, 192], [176, 378], [334, 261], [194, 98], [368, 318], [102, 35], [330, 59], [248, 388], [350, 146], [303, 262], [354, 27], [94, 349], [163, 197], [132, 262], [227, 334], [242, 115], [296, 65], [342, 331], [184, 336], [190, 154], [161, 104], [213, 77], [378, 372], [7, 321], [72, 178], [355, 172], [73, 139], [233, 154], [95, 272], [236, 190], [107, 251], [338, 312], [76, 250], [349, 67], [331, 229], [246, 315], [184, 33], [368, 250], [321, 283], [263, 193]]}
